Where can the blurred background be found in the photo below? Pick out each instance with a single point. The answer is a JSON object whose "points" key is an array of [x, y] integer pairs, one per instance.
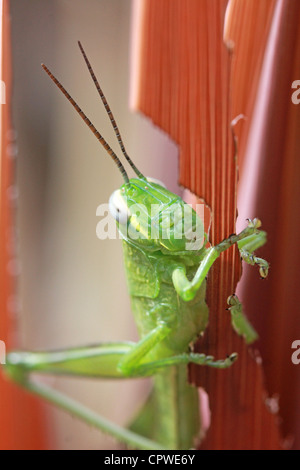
{"points": [[71, 286]]}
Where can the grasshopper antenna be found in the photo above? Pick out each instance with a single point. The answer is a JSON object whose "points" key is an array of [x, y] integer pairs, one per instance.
{"points": [[89, 124], [109, 112]]}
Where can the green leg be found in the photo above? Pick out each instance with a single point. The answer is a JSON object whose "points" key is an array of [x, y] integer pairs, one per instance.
{"points": [[185, 358], [130, 361], [253, 242], [96, 361], [112, 360], [74, 407], [91, 361], [239, 321], [109, 360], [250, 237], [248, 245], [135, 363], [250, 258]]}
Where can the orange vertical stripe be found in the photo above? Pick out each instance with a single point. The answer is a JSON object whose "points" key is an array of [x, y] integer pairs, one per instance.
{"points": [[185, 87], [22, 424]]}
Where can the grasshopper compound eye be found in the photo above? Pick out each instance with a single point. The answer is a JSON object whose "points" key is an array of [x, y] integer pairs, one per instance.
{"points": [[154, 180], [118, 207]]}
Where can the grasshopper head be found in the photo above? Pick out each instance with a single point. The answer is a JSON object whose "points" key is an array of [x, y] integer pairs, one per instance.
{"points": [[147, 214], [150, 216]]}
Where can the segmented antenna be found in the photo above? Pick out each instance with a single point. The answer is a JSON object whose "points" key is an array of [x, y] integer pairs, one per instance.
{"points": [[109, 112], [90, 125]]}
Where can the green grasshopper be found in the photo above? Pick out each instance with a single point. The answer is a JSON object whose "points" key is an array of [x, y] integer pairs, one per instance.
{"points": [[167, 284]]}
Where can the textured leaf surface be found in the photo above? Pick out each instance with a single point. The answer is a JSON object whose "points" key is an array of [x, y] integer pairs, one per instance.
{"points": [[186, 88]]}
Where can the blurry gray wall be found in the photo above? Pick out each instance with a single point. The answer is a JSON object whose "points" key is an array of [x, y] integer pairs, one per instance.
{"points": [[72, 287]]}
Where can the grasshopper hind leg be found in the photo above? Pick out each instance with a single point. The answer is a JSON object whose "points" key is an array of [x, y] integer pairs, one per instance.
{"points": [[20, 365]]}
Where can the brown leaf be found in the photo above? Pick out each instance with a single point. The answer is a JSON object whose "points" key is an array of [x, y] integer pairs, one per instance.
{"points": [[185, 72]]}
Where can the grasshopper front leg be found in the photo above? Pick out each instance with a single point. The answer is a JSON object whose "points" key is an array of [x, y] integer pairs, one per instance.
{"points": [[239, 321], [136, 363], [248, 240]]}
